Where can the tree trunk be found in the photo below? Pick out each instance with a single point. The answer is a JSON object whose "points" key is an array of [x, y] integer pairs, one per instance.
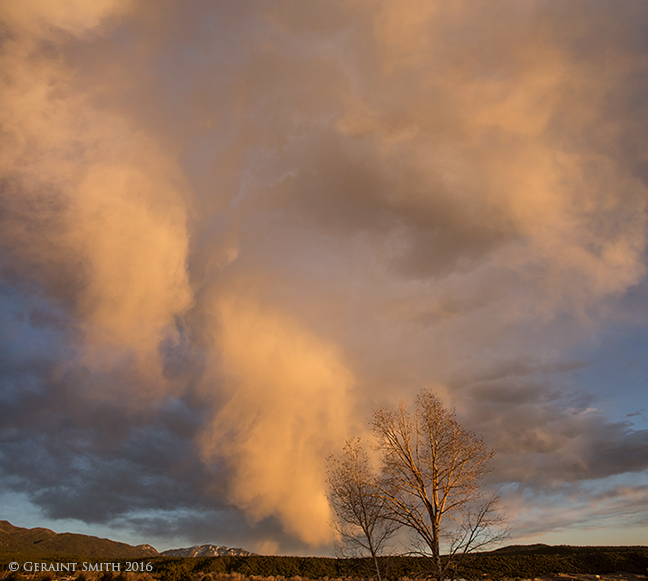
{"points": [[376, 564], [436, 554]]}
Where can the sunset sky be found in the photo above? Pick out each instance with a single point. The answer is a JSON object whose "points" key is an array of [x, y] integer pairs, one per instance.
{"points": [[229, 230]]}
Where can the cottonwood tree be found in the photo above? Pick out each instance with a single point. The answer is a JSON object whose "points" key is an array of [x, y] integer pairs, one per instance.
{"points": [[432, 473], [363, 517]]}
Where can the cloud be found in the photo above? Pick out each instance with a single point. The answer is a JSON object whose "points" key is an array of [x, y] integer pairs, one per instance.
{"points": [[579, 507], [44, 17], [286, 407], [228, 231]]}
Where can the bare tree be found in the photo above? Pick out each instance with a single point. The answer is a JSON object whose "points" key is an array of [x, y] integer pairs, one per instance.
{"points": [[362, 512], [432, 472]]}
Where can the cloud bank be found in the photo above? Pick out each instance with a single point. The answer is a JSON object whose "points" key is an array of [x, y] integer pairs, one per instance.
{"points": [[228, 231]]}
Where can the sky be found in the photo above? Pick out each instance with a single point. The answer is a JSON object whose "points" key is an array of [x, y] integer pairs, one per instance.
{"points": [[231, 230]]}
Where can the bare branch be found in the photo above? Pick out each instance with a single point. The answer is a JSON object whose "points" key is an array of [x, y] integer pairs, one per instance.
{"points": [[431, 476], [363, 516]]}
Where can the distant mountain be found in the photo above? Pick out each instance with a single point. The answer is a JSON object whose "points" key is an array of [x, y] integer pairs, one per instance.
{"points": [[522, 549], [38, 541], [206, 551]]}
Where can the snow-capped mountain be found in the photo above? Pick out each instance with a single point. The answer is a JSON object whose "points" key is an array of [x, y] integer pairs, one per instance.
{"points": [[206, 551]]}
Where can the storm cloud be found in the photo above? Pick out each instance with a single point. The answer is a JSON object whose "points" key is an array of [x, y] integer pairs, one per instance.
{"points": [[228, 231]]}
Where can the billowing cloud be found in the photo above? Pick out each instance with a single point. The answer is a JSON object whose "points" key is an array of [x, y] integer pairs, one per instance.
{"points": [[230, 230], [285, 407]]}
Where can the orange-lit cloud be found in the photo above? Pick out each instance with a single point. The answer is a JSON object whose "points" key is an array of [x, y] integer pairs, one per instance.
{"points": [[230, 230], [89, 198], [285, 406]]}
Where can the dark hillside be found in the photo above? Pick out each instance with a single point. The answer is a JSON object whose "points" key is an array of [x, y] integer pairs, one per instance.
{"points": [[40, 542], [538, 560]]}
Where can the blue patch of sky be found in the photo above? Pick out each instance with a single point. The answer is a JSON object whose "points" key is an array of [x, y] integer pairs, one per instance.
{"points": [[617, 373]]}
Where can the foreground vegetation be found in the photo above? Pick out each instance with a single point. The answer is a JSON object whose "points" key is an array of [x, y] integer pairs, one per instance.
{"points": [[525, 562]]}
